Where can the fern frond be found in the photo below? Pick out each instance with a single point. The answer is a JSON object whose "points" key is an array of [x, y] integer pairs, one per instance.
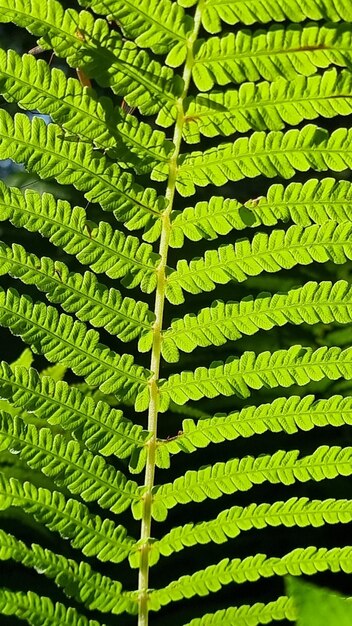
{"points": [[50, 20], [230, 523], [300, 561], [268, 106], [277, 52], [297, 365], [312, 202], [285, 67], [35, 86], [249, 615], [44, 150], [268, 154], [265, 253], [64, 461], [205, 220], [101, 247], [130, 72], [70, 518], [213, 481], [81, 294], [40, 610], [102, 428], [77, 580], [156, 24], [61, 339], [313, 303], [287, 415], [251, 11], [90, 44]]}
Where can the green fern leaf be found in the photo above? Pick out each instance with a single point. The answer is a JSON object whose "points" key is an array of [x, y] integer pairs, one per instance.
{"points": [[56, 372], [33, 85], [40, 610], [78, 580], [287, 415], [97, 245], [297, 365], [24, 360], [72, 519], [258, 613], [313, 202], [142, 81], [46, 19], [159, 25], [63, 340], [45, 151], [268, 106], [300, 561], [272, 154], [251, 11], [102, 428], [77, 293], [278, 52], [269, 253], [206, 220], [231, 522], [241, 474], [202, 68], [88, 43], [63, 460], [314, 302], [315, 604]]}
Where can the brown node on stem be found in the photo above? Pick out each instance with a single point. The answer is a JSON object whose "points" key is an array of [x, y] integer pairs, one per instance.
{"points": [[88, 230], [127, 109], [83, 78], [36, 50], [172, 438], [80, 35], [255, 201], [190, 118]]}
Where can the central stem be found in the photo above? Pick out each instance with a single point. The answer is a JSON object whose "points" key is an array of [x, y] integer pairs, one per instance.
{"points": [[143, 578]]}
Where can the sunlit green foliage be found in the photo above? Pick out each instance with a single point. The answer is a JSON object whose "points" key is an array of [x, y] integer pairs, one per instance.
{"points": [[192, 309]]}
